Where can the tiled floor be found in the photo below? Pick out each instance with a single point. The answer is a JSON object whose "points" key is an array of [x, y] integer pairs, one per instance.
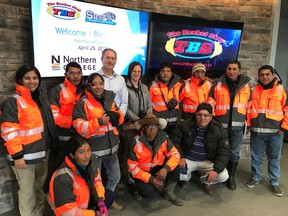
{"points": [[257, 201]]}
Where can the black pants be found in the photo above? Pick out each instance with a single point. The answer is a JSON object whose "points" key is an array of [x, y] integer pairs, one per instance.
{"points": [[147, 190]]}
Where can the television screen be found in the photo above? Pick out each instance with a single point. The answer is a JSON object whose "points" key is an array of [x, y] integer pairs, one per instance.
{"points": [[183, 41], [66, 30]]}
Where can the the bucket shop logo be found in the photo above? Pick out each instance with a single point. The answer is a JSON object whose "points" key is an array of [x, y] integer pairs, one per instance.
{"points": [[194, 44], [108, 18], [63, 11]]}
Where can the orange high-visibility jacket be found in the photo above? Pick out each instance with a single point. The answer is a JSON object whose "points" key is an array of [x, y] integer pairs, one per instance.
{"points": [[63, 99], [142, 157], [69, 193], [268, 110], [104, 139], [161, 94], [22, 127], [219, 98], [192, 94]]}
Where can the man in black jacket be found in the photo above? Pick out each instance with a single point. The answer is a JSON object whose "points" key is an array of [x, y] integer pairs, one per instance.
{"points": [[203, 145]]}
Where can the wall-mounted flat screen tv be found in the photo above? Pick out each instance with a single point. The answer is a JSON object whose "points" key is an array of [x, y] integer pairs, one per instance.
{"points": [[183, 41], [66, 30]]}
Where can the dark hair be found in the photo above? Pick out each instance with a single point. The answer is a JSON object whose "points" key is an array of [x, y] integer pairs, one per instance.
{"points": [[108, 49], [23, 70], [76, 142], [131, 67], [163, 65], [264, 67], [235, 62], [204, 106], [72, 64], [91, 77]]}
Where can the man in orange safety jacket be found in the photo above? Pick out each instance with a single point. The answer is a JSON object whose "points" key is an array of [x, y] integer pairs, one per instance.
{"points": [[153, 160], [195, 90], [164, 94], [63, 98], [229, 97], [267, 121]]}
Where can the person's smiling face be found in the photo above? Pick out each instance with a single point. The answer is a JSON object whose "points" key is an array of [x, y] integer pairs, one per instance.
{"points": [[30, 80]]}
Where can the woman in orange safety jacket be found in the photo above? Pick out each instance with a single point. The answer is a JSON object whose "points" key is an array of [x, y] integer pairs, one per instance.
{"points": [[97, 118], [76, 187], [28, 129]]}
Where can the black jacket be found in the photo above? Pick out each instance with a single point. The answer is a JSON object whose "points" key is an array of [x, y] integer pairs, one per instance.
{"points": [[216, 142]]}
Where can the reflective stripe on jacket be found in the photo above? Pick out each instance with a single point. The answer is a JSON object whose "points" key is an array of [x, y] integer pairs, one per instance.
{"points": [[142, 157], [69, 193], [219, 98], [63, 99], [22, 127], [268, 110], [161, 94], [104, 139], [192, 94]]}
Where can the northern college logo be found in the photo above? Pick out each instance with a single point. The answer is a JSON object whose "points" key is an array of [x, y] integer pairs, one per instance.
{"points": [[105, 18], [63, 11], [194, 44]]}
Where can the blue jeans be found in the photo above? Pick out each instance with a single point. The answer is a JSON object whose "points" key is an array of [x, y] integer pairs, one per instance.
{"points": [[272, 144], [235, 141], [112, 167]]}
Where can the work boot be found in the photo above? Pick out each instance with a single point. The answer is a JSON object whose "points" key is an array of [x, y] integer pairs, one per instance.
{"points": [[170, 195], [231, 184], [208, 189], [184, 184], [131, 188], [116, 206]]}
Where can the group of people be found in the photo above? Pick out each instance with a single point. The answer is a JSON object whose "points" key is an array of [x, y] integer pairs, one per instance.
{"points": [[84, 134]]}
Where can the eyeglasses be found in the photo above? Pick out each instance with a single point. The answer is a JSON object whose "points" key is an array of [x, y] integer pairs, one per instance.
{"points": [[74, 73], [203, 115]]}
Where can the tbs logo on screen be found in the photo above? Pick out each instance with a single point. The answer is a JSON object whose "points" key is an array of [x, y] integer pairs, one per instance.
{"points": [[194, 44], [63, 11]]}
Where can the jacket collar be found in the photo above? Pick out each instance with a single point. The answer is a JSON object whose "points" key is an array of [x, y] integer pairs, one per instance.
{"points": [[70, 85], [23, 91]]}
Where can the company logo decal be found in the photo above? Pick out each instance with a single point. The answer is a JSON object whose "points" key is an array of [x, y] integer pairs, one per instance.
{"points": [[63, 11], [194, 44], [55, 67], [87, 64], [108, 18]]}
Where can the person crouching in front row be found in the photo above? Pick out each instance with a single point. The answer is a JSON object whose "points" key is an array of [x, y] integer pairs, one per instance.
{"points": [[76, 186], [153, 160], [203, 145]]}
